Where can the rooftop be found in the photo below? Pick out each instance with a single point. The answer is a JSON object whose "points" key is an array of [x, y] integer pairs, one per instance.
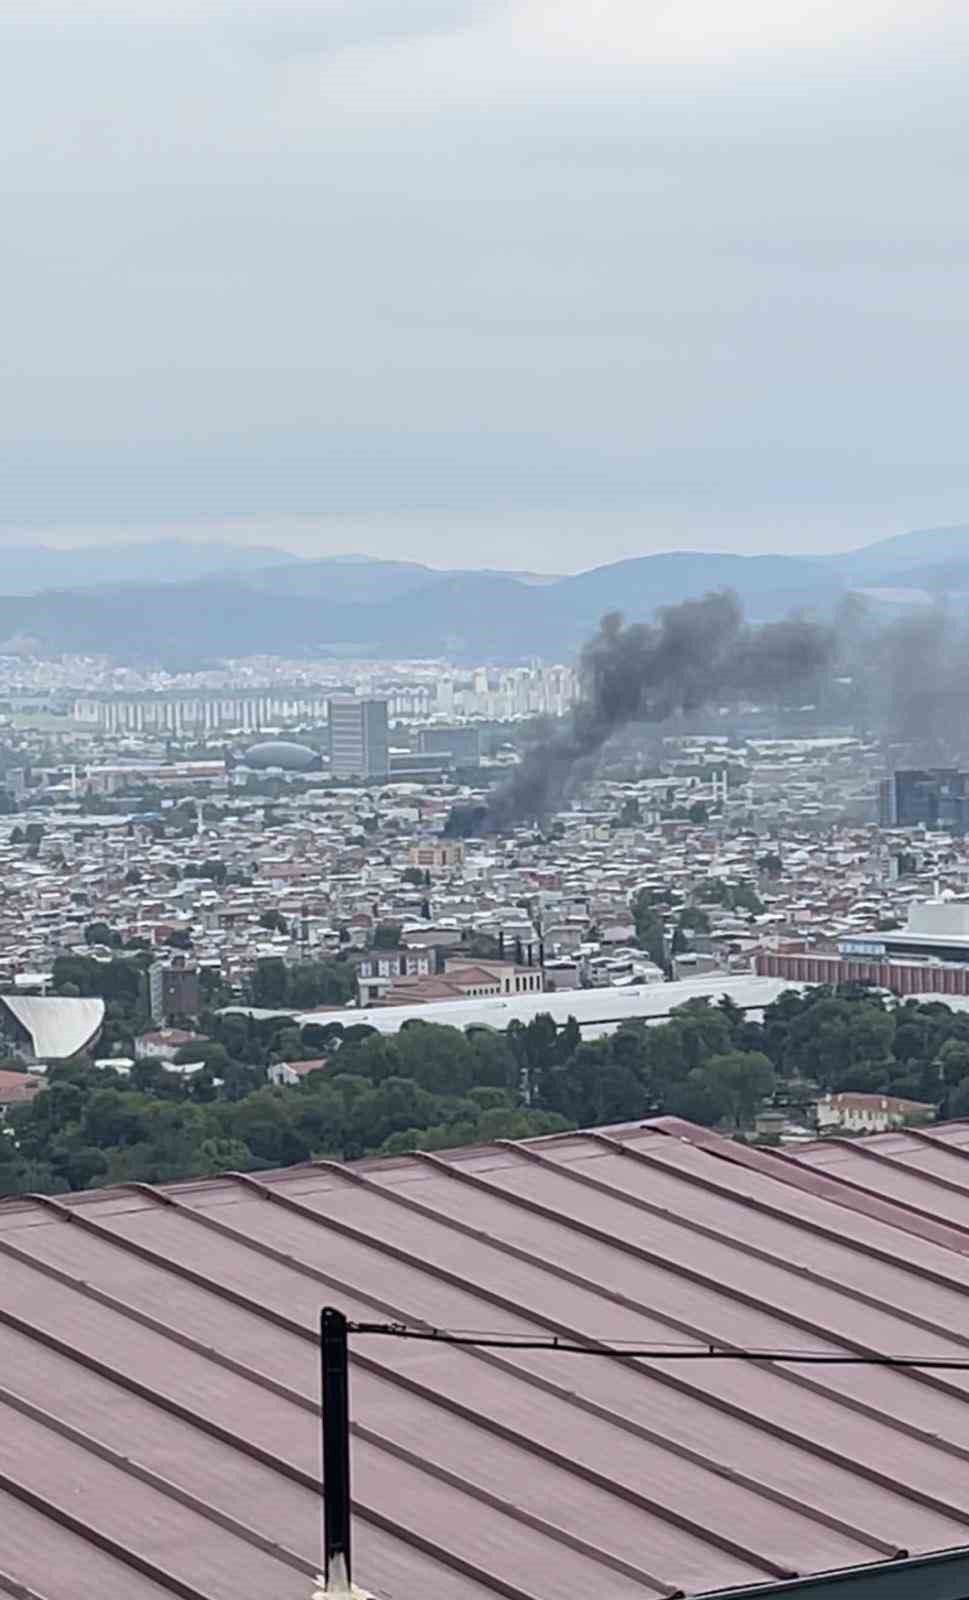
{"points": [[158, 1389]]}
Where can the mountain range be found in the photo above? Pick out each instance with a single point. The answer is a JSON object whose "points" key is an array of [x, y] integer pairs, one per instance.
{"points": [[182, 604]]}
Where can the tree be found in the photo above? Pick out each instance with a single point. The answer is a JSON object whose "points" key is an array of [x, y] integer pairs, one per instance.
{"points": [[98, 933], [771, 864], [959, 1100], [387, 935], [438, 1058], [953, 1061], [495, 1065], [745, 1078], [698, 813], [733, 1013], [273, 921], [743, 897], [414, 876], [650, 935], [269, 983], [699, 1098]]}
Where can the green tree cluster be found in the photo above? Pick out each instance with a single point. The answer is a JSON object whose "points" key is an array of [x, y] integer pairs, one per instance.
{"points": [[432, 1086], [302, 986]]}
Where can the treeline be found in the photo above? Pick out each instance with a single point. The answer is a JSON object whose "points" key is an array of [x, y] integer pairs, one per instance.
{"points": [[432, 1087]]}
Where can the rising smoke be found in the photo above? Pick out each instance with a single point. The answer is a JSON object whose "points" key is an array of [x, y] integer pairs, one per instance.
{"points": [[695, 654]]}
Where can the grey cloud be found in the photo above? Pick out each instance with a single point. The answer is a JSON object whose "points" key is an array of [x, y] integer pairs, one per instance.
{"points": [[298, 270]]}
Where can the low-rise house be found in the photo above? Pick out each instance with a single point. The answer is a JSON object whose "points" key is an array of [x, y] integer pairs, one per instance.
{"points": [[18, 1089], [290, 1073], [165, 1043], [869, 1113]]}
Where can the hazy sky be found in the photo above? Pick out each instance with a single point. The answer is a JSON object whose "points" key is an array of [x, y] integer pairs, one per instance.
{"points": [[519, 282]]}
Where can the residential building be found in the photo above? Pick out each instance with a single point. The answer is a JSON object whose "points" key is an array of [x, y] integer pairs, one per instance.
{"points": [[18, 1089], [173, 990], [480, 978], [289, 1073], [438, 855], [869, 1113], [165, 1044]]}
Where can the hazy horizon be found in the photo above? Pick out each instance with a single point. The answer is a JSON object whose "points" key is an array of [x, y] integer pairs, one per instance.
{"points": [[484, 282], [306, 544]]}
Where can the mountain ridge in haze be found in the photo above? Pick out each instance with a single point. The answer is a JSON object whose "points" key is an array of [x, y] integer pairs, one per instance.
{"points": [[397, 609], [27, 569]]}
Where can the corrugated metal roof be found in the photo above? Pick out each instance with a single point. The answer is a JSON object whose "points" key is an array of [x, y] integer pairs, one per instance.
{"points": [[59, 1026], [159, 1376], [924, 1169]]}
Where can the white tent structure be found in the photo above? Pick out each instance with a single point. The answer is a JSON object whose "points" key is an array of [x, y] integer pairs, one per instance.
{"points": [[50, 1027]]}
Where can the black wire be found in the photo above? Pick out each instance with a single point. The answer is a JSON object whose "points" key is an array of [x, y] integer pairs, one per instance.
{"points": [[395, 1330]]}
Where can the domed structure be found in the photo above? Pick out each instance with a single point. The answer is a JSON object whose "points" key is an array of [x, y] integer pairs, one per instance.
{"points": [[282, 753]]}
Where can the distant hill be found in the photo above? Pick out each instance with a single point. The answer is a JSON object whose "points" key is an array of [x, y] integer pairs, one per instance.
{"points": [[31, 568], [926, 547], [344, 606]]}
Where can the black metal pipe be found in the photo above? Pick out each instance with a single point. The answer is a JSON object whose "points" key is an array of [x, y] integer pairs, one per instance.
{"points": [[335, 1419]]}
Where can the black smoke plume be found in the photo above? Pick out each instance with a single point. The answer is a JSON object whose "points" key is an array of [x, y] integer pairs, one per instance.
{"points": [[695, 654]]}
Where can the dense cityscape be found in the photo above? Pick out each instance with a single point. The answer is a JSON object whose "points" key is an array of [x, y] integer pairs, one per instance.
{"points": [[242, 923], [484, 800]]}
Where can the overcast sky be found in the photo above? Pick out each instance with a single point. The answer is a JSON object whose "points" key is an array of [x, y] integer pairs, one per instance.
{"points": [[495, 282]]}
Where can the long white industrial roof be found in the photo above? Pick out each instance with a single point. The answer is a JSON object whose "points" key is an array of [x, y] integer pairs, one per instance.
{"points": [[597, 1011], [59, 1025]]}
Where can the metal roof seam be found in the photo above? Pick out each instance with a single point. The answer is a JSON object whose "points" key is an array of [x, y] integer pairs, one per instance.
{"points": [[103, 1541], [144, 1320], [692, 1275], [180, 1269], [272, 1547], [936, 1142], [744, 1247], [785, 1169], [505, 1304], [541, 1525], [169, 1202], [143, 1391], [282, 1257], [855, 1186], [858, 1148], [18, 1591], [756, 1486], [155, 1480], [718, 1402], [763, 1207], [266, 1458], [456, 1450]]}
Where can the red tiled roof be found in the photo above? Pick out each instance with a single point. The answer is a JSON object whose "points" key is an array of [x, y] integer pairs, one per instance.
{"points": [[302, 1068], [16, 1087], [159, 1374]]}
